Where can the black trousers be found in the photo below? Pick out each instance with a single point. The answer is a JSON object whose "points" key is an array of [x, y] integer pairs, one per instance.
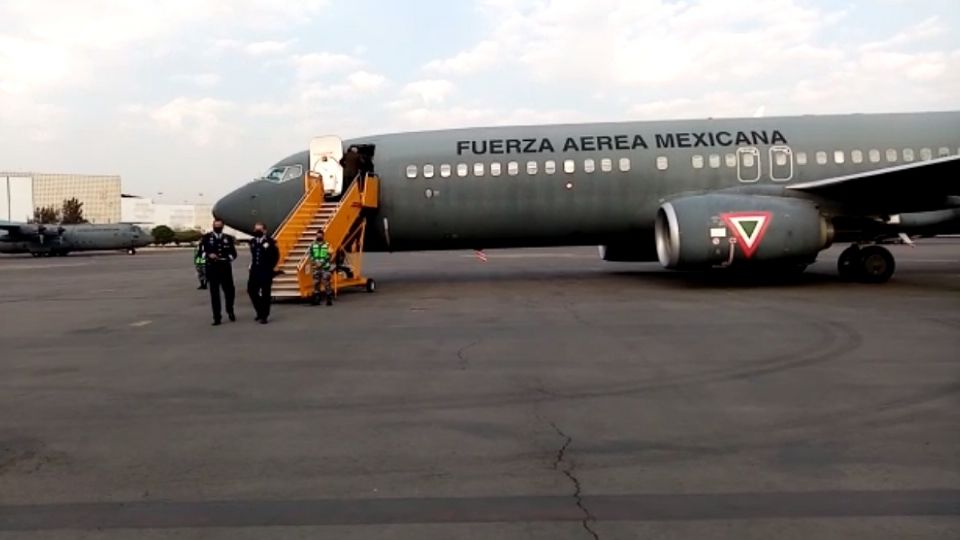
{"points": [[220, 275], [258, 287]]}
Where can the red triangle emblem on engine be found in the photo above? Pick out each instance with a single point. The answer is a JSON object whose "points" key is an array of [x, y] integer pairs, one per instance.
{"points": [[748, 228]]}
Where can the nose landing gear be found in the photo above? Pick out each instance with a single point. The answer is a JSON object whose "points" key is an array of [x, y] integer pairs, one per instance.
{"points": [[870, 264]]}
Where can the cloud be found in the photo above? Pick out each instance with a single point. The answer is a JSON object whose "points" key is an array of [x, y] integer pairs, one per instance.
{"points": [[636, 42], [356, 85], [363, 81], [202, 80], [255, 48], [700, 58], [316, 65], [479, 58], [28, 67], [430, 91], [259, 48], [420, 118], [24, 118], [200, 120]]}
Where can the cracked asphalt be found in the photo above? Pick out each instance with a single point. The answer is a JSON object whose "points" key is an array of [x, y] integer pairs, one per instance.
{"points": [[543, 394]]}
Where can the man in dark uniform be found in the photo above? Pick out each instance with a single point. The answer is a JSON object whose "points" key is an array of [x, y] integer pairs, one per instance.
{"points": [[351, 163], [264, 256], [220, 251]]}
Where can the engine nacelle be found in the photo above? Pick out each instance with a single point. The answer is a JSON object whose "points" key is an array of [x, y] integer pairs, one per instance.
{"points": [[720, 229]]}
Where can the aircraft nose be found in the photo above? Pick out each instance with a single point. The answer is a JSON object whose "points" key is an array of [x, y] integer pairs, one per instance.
{"points": [[238, 209]]}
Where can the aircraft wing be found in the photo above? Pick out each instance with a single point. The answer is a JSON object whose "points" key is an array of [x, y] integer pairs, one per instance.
{"points": [[914, 187], [29, 230]]}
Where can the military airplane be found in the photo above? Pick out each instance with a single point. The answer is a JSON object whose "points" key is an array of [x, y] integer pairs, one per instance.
{"points": [[48, 240], [761, 193]]}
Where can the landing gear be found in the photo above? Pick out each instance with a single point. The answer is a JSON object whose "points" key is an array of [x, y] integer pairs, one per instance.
{"points": [[871, 264], [849, 263], [371, 285], [132, 251], [876, 264]]}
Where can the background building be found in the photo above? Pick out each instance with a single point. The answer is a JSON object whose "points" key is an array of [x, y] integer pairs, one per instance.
{"points": [[21, 193], [149, 213]]}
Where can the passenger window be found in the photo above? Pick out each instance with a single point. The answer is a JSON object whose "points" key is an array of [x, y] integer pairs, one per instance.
{"points": [[908, 154], [462, 170], [856, 156], [589, 165], [748, 160], [513, 168], [731, 160], [874, 156], [624, 164], [697, 161], [411, 171], [495, 168], [531, 167], [606, 165], [781, 159], [891, 155], [662, 163], [926, 154], [714, 161], [801, 158], [821, 158], [569, 166], [550, 167], [478, 169], [943, 152], [839, 157], [428, 171], [445, 170]]}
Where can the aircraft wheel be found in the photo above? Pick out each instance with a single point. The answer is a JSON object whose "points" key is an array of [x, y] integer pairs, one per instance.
{"points": [[132, 251], [36, 254], [371, 285], [876, 264], [849, 263]]}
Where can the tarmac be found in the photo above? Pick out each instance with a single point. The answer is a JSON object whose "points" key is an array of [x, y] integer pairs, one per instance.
{"points": [[540, 394]]}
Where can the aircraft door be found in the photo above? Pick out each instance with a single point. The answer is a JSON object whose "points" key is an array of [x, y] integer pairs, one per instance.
{"points": [[325, 155], [748, 164], [781, 163]]}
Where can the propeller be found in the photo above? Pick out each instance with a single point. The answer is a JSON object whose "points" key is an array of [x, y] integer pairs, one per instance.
{"points": [[42, 232]]}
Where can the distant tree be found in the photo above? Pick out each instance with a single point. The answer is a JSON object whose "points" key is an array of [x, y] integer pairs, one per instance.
{"points": [[73, 211], [188, 236], [163, 235], [46, 214]]}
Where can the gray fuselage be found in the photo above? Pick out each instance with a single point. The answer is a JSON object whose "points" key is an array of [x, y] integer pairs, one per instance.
{"points": [[595, 184], [85, 237]]}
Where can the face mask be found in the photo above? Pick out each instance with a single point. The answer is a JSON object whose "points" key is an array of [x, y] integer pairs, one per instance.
{"points": [[218, 230], [258, 233]]}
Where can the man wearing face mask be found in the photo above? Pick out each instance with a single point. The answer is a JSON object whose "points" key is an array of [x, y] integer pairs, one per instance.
{"points": [[264, 256], [219, 251]]}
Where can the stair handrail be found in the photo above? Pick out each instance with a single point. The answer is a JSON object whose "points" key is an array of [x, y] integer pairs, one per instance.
{"points": [[287, 233], [293, 211], [360, 196], [347, 199]]}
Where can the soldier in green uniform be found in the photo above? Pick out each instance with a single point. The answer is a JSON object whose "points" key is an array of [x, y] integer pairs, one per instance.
{"points": [[322, 261], [200, 263]]}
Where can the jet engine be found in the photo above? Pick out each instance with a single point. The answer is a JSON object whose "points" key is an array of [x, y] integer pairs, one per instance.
{"points": [[702, 231]]}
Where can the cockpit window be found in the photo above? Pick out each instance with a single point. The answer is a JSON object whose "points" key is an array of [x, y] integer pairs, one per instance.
{"points": [[283, 174]]}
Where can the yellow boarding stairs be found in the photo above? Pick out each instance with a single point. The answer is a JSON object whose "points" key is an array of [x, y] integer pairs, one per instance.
{"points": [[344, 223]]}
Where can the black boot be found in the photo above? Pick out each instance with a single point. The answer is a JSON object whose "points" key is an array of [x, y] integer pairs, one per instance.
{"points": [[329, 299], [203, 286]]}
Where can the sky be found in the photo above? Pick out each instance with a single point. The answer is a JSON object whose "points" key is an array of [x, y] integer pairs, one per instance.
{"points": [[188, 99]]}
